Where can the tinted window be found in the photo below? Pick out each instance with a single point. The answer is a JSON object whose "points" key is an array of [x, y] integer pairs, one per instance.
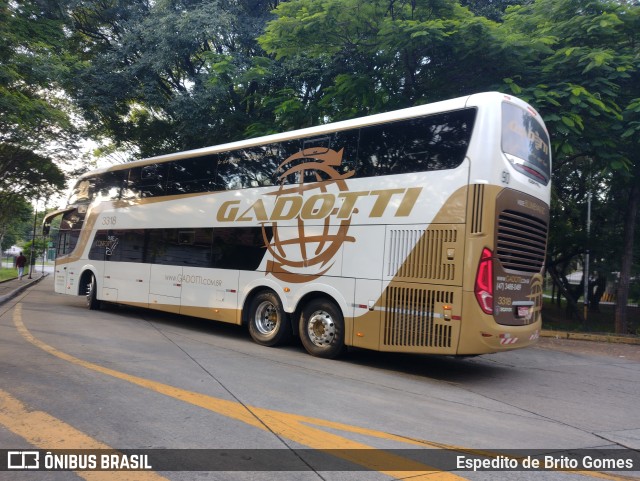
{"points": [[525, 143], [320, 158], [188, 176], [239, 248], [224, 248], [146, 181], [97, 250], [180, 247], [434, 142], [126, 245], [250, 167], [105, 186], [104, 245]]}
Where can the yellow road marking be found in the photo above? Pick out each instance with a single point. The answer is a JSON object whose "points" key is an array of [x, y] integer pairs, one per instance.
{"points": [[47, 432], [300, 429], [291, 426]]}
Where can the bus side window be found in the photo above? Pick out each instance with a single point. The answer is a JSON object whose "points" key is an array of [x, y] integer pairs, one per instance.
{"points": [[434, 142], [145, 181], [131, 246], [180, 247], [153, 180], [230, 175], [197, 174], [447, 141], [250, 167], [346, 142], [107, 186], [379, 148], [282, 174], [239, 247]]}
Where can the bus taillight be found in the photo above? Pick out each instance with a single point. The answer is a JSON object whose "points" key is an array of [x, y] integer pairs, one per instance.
{"points": [[484, 282]]}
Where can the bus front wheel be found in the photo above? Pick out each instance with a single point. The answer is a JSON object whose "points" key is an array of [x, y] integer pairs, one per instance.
{"points": [[92, 294], [322, 329], [268, 323]]}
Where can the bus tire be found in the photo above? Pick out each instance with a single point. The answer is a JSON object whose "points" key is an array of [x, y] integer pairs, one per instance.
{"points": [[92, 294], [322, 329], [268, 323]]}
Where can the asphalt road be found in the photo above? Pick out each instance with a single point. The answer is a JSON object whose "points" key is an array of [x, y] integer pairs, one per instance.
{"points": [[137, 380]]}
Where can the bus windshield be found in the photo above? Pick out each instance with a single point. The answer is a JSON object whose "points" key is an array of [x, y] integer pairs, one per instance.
{"points": [[525, 143]]}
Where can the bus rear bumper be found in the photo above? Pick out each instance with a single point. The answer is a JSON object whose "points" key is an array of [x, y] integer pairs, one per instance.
{"points": [[483, 339]]}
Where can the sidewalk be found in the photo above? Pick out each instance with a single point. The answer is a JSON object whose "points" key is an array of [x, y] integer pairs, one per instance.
{"points": [[11, 288]]}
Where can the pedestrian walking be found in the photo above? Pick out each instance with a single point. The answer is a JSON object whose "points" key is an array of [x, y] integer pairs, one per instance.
{"points": [[21, 261]]}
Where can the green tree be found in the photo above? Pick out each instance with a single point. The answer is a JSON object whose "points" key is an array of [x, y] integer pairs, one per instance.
{"points": [[587, 84], [33, 108], [168, 75], [24, 176], [35, 127], [372, 56], [491, 9], [15, 213]]}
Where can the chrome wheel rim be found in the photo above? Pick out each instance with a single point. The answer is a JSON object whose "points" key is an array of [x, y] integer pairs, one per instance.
{"points": [[321, 328], [266, 319]]}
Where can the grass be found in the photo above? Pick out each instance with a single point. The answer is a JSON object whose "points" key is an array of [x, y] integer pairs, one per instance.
{"points": [[557, 318], [8, 274]]}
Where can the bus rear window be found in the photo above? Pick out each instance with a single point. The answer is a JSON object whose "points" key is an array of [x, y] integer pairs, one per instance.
{"points": [[525, 143]]}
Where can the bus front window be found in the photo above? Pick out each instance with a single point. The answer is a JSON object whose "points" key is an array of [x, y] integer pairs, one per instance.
{"points": [[70, 228]]}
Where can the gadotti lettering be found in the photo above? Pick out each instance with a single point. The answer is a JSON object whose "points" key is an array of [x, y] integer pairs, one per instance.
{"points": [[319, 206]]}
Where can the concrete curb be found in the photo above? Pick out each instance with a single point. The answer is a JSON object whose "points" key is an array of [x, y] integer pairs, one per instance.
{"points": [[584, 336], [6, 297]]}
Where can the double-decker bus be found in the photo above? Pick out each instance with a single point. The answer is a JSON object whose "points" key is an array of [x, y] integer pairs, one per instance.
{"points": [[421, 230]]}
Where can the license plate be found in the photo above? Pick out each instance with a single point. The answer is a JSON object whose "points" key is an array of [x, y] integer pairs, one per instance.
{"points": [[523, 311]]}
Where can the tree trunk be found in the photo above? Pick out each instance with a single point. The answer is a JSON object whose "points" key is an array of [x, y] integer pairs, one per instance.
{"points": [[560, 282], [622, 294]]}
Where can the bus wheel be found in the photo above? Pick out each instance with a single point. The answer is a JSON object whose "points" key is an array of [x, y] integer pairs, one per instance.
{"points": [[322, 329], [92, 294], [268, 323]]}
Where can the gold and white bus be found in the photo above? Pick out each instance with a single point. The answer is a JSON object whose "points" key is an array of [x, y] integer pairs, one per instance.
{"points": [[422, 230]]}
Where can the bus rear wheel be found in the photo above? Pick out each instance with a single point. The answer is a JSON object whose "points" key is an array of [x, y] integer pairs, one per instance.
{"points": [[322, 329], [268, 323], [92, 294]]}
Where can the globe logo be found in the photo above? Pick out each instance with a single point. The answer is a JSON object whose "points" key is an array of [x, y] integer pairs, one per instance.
{"points": [[536, 296], [304, 249]]}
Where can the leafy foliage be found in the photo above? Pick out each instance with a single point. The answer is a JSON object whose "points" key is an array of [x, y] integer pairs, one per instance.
{"points": [[32, 64], [35, 126], [587, 84]]}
